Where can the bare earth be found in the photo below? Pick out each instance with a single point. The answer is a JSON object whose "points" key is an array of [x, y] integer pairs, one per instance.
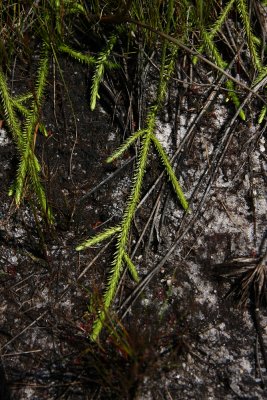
{"points": [[185, 339]]}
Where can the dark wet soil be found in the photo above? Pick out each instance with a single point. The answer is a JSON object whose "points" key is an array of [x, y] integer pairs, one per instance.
{"points": [[181, 338]]}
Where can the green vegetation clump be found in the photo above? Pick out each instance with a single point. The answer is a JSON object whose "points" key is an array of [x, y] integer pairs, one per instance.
{"points": [[53, 28]]}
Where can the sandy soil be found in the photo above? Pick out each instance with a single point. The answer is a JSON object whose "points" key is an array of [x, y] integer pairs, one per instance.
{"points": [[181, 336]]}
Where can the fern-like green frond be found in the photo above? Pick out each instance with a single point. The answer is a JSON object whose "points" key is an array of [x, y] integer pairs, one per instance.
{"points": [[43, 130], [167, 66], [22, 97], [99, 238], [262, 74], [18, 187], [100, 65], [253, 41], [36, 164], [77, 55], [127, 143], [166, 72], [137, 185], [117, 264], [28, 163], [23, 167], [121, 258], [42, 75], [38, 189], [22, 109], [10, 115], [151, 118], [233, 96], [131, 267], [168, 56], [98, 324], [166, 163], [74, 7], [212, 49], [216, 26], [262, 114]]}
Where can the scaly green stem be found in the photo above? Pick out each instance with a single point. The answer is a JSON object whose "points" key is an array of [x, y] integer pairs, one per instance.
{"points": [[123, 235]]}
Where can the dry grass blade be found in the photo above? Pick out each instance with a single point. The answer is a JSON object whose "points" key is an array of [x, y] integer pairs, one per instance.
{"points": [[250, 279]]}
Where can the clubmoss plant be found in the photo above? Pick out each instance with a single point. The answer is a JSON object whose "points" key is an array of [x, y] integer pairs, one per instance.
{"points": [[25, 136], [253, 40], [210, 46], [209, 35], [52, 22], [24, 121], [100, 64], [147, 138]]}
